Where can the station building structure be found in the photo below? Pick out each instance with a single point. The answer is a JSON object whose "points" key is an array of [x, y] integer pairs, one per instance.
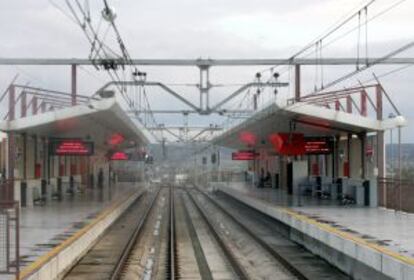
{"points": [[62, 149], [329, 144]]}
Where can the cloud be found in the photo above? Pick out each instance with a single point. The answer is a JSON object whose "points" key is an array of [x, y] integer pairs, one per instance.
{"points": [[204, 28]]}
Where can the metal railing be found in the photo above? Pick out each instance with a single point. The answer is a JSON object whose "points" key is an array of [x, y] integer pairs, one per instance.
{"points": [[396, 194], [9, 239]]}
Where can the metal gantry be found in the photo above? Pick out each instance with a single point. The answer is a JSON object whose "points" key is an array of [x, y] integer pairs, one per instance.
{"points": [[204, 107], [204, 85], [208, 62]]}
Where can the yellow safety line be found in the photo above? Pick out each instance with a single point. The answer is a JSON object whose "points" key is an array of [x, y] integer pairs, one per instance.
{"points": [[343, 234], [347, 235], [40, 261]]}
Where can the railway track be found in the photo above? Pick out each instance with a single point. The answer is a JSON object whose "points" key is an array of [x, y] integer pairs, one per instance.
{"points": [[144, 260], [184, 233], [107, 257], [269, 235], [249, 259]]}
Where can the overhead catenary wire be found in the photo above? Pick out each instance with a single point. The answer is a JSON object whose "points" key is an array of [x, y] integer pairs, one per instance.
{"points": [[329, 31], [101, 45], [346, 33], [127, 56], [367, 66], [62, 10], [368, 20]]}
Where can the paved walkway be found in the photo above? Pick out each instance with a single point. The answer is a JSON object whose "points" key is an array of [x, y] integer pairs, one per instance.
{"points": [[395, 230], [44, 227]]}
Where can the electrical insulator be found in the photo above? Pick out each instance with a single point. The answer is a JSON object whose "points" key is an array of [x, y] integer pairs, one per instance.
{"points": [[109, 14]]}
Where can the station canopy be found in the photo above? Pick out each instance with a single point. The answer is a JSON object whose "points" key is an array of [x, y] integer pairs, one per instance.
{"points": [[103, 121], [303, 118]]}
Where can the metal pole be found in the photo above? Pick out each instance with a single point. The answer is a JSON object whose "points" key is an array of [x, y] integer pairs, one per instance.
{"points": [[348, 153], [17, 241], [392, 169], [74, 84], [297, 82], [399, 167], [349, 104], [8, 245], [391, 156], [363, 139], [34, 105], [254, 102], [12, 102], [11, 148], [392, 164], [23, 110], [380, 143]]}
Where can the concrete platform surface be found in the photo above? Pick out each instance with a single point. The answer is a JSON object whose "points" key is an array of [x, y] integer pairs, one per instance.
{"points": [[393, 229], [385, 232], [44, 227]]}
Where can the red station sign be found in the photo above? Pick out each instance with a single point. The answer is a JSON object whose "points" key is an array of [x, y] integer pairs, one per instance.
{"points": [[119, 156], [291, 144], [116, 139], [317, 146], [244, 155], [71, 147], [294, 144]]}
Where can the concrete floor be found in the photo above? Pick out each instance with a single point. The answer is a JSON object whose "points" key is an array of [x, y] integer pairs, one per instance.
{"points": [[44, 227], [393, 229]]}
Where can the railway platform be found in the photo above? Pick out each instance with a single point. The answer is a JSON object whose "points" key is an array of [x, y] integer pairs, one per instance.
{"points": [[54, 235], [355, 239]]}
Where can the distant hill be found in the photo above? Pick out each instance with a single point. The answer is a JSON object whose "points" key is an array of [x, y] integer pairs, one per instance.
{"points": [[183, 154], [407, 152]]}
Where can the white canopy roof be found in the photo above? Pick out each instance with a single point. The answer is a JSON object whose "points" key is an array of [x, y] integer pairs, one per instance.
{"points": [[311, 120], [97, 121]]}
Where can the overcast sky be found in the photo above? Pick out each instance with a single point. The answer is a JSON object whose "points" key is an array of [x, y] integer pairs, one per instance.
{"points": [[207, 29]]}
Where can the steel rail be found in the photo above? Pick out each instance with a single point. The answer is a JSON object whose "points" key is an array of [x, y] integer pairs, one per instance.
{"points": [[128, 248], [235, 265], [171, 269], [289, 266]]}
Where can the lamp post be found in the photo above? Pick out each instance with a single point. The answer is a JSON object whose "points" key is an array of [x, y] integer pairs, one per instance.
{"points": [[391, 116], [399, 164]]}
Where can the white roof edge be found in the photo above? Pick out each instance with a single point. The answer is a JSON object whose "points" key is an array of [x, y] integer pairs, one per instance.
{"points": [[335, 116], [61, 114], [138, 129], [257, 115], [313, 111], [108, 104]]}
